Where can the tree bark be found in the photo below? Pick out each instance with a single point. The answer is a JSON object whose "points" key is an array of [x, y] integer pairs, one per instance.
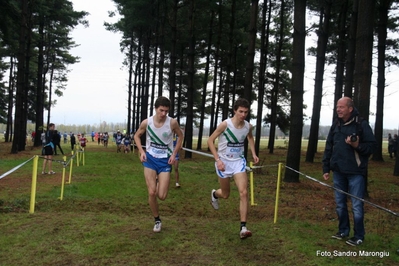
{"points": [[383, 8], [276, 85], [323, 33], [341, 56], [19, 134], [188, 138], [205, 82], [350, 60], [298, 70], [262, 69]]}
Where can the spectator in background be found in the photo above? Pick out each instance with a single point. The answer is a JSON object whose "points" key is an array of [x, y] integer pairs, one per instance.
{"points": [[65, 137], [82, 141], [105, 139], [395, 145], [48, 150], [390, 145], [118, 141], [33, 134], [57, 140], [43, 138], [73, 141], [127, 141]]}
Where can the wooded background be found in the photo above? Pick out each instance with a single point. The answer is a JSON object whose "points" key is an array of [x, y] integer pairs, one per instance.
{"points": [[203, 55]]}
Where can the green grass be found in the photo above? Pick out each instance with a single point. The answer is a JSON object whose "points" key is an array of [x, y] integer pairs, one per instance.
{"points": [[104, 217]]}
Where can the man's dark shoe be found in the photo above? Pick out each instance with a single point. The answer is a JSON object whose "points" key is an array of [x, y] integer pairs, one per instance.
{"points": [[339, 236], [354, 241]]}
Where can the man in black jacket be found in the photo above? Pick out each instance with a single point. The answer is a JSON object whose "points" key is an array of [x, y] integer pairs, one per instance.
{"points": [[348, 148], [57, 141], [48, 150]]}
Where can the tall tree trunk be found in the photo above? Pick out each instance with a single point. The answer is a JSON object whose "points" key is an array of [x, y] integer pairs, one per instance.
{"points": [[50, 89], [145, 76], [180, 87], [226, 95], [147, 45], [154, 67], [205, 82], [364, 56], [129, 86], [383, 8], [350, 60], [276, 85], [188, 138], [161, 51], [363, 61], [39, 85], [264, 40], [11, 85], [139, 105], [143, 89], [396, 167], [24, 116], [173, 56], [341, 55], [249, 69], [323, 33], [298, 70], [154, 74], [214, 106], [21, 81], [249, 72]]}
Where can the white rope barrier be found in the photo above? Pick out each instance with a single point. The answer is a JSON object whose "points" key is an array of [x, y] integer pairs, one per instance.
{"points": [[249, 169], [343, 192], [16, 168]]}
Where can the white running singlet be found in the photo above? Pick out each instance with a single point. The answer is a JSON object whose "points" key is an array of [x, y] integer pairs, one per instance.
{"points": [[159, 142], [231, 141]]}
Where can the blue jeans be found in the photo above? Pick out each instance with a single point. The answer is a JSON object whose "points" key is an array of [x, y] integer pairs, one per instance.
{"points": [[354, 185]]}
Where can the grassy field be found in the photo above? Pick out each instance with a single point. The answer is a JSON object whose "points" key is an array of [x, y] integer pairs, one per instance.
{"points": [[104, 217]]}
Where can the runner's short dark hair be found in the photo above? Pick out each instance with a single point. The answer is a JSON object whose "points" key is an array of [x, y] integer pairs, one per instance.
{"points": [[241, 102], [162, 101]]}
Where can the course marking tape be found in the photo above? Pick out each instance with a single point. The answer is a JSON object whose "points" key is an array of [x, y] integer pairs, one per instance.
{"points": [[15, 168]]}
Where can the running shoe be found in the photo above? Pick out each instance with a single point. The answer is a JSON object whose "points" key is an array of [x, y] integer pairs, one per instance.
{"points": [[177, 185], [214, 201], [244, 233], [157, 226], [51, 173]]}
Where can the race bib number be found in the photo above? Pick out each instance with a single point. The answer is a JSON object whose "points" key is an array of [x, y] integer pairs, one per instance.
{"points": [[158, 150], [234, 150]]}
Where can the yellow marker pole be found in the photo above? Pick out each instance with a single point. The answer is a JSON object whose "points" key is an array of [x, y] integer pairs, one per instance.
{"points": [[83, 156], [251, 184], [280, 166], [70, 170], [33, 188], [63, 180], [77, 157]]}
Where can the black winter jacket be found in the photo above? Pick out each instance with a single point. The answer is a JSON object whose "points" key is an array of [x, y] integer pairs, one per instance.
{"points": [[343, 158]]}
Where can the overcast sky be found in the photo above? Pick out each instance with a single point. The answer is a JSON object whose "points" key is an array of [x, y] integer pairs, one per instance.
{"points": [[97, 86]]}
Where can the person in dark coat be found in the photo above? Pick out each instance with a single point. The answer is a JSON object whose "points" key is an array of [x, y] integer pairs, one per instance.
{"points": [[73, 141], [349, 145], [57, 141]]}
